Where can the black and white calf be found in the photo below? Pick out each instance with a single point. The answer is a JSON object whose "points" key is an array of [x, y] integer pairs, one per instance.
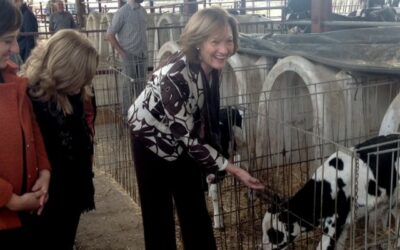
{"points": [[232, 139], [326, 199], [230, 124]]}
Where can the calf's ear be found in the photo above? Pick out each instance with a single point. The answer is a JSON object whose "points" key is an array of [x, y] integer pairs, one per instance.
{"points": [[276, 203], [277, 199]]}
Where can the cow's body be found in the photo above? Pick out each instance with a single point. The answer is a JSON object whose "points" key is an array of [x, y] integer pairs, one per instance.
{"points": [[231, 130], [326, 199], [231, 139]]}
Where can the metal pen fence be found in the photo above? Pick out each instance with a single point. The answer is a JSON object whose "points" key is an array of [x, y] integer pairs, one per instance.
{"points": [[290, 130], [113, 90], [291, 144]]}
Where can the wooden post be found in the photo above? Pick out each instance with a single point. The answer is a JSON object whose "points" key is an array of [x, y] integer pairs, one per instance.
{"points": [[151, 4], [242, 7], [189, 7], [87, 7], [320, 11], [80, 11], [99, 5]]}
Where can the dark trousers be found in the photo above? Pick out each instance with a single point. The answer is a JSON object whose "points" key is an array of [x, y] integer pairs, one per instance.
{"points": [[59, 227], [160, 184], [21, 238], [14, 239]]}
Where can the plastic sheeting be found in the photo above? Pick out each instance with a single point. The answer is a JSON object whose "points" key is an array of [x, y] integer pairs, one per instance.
{"points": [[372, 50]]}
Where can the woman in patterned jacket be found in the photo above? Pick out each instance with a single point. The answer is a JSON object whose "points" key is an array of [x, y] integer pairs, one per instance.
{"points": [[175, 131]]}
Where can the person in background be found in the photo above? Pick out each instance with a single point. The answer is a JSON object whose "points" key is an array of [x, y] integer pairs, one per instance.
{"points": [[90, 110], [60, 73], [175, 134], [129, 24], [26, 42], [61, 19], [24, 167]]}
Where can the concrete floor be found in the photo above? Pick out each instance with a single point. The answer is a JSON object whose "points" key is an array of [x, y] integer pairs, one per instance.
{"points": [[116, 224]]}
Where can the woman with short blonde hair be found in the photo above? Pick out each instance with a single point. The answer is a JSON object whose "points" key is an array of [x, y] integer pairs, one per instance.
{"points": [[60, 72], [64, 65]]}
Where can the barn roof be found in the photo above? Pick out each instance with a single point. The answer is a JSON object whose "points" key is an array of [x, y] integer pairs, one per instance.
{"points": [[372, 50]]}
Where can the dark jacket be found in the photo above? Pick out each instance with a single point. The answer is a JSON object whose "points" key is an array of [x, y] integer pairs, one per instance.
{"points": [[26, 42], [69, 145]]}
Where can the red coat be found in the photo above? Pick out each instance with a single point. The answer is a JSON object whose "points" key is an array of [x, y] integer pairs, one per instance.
{"points": [[19, 134]]}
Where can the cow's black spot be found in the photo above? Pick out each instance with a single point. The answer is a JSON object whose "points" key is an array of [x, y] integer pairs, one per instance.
{"points": [[336, 163], [290, 228], [229, 117], [340, 183], [275, 237], [373, 189], [331, 245]]}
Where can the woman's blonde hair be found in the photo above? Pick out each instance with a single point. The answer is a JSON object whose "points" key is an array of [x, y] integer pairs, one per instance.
{"points": [[201, 26], [63, 66]]}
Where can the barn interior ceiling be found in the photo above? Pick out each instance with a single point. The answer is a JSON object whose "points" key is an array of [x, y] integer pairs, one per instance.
{"points": [[373, 50]]}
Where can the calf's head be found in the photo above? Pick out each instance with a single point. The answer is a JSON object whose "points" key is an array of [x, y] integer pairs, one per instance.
{"points": [[278, 231]]}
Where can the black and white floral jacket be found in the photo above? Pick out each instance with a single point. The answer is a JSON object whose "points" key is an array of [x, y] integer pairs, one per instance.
{"points": [[167, 115]]}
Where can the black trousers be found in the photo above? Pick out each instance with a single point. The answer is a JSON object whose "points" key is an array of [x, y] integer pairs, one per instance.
{"points": [[58, 226], [14, 239], [61, 231], [22, 237], [162, 184]]}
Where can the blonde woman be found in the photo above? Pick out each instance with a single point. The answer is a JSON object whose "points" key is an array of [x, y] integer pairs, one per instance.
{"points": [[60, 73]]}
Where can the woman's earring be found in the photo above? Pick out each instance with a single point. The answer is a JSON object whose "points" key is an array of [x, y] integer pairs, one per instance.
{"points": [[198, 49]]}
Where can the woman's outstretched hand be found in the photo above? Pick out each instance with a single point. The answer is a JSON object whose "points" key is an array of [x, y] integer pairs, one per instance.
{"points": [[244, 177]]}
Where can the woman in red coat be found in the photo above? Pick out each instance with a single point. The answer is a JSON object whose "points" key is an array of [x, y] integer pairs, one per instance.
{"points": [[24, 167]]}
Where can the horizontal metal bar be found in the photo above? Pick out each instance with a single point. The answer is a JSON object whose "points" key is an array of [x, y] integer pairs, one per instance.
{"points": [[345, 23]]}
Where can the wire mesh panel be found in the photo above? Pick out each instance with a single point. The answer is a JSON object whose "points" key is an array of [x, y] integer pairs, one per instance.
{"points": [[345, 7], [241, 212], [262, 26], [289, 131], [112, 140], [347, 202], [344, 111], [298, 129]]}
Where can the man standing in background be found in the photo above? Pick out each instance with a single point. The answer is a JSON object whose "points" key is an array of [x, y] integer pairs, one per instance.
{"points": [[129, 24], [26, 42], [61, 19]]}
